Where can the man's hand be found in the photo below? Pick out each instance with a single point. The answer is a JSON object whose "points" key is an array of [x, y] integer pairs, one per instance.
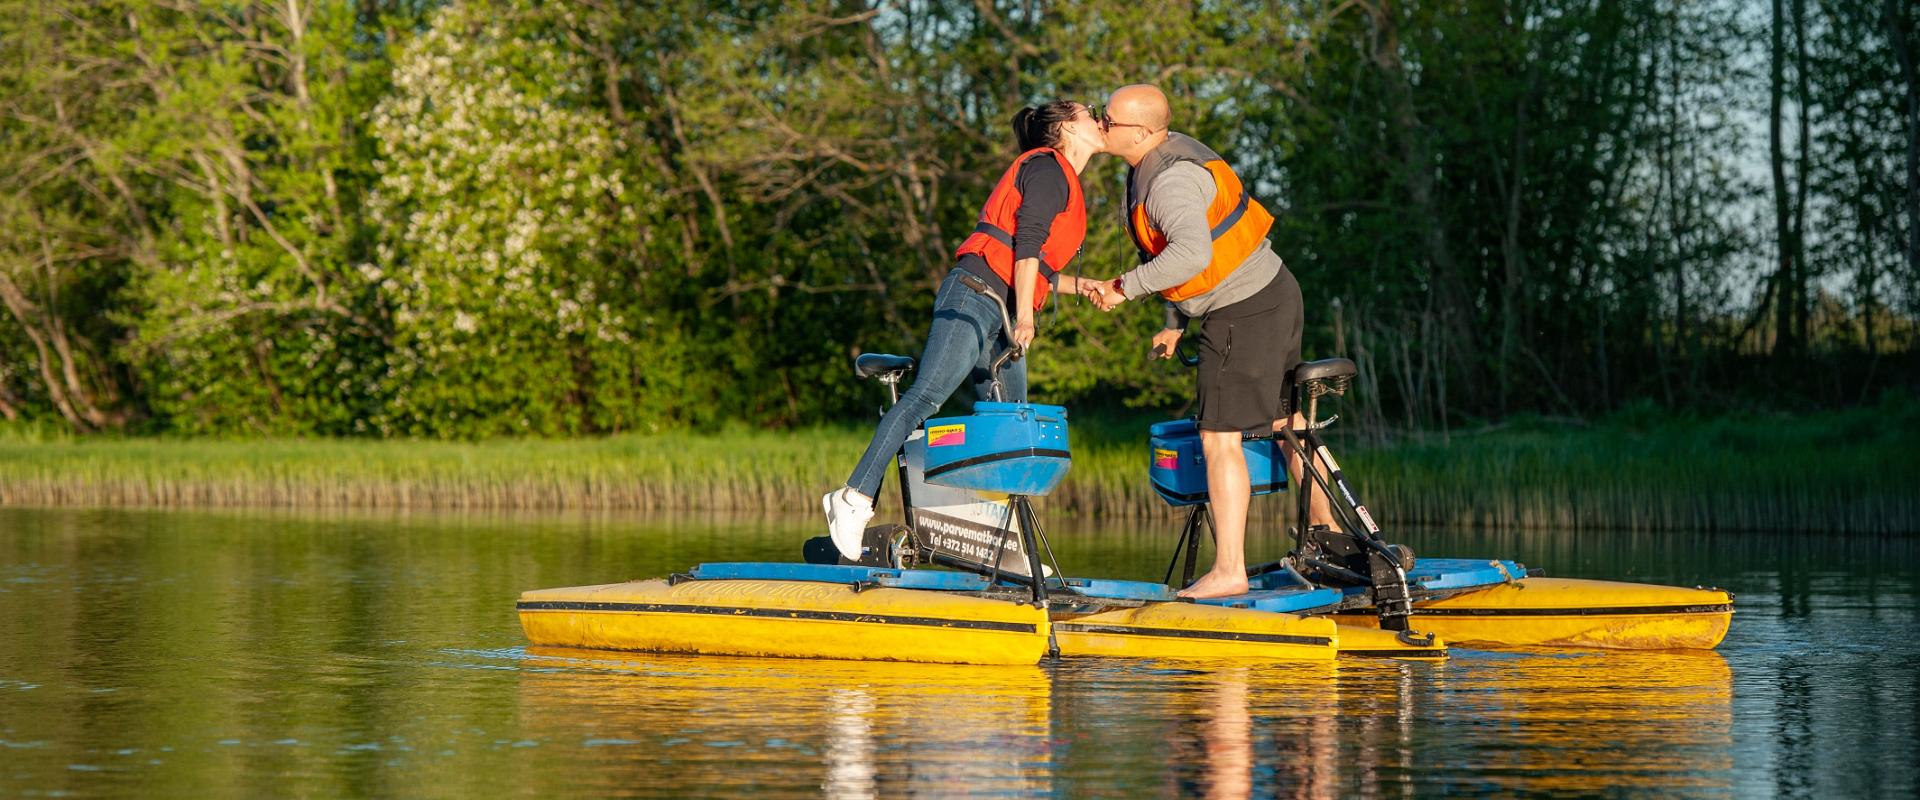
{"points": [[1023, 331], [1106, 294], [1165, 342], [1088, 288]]}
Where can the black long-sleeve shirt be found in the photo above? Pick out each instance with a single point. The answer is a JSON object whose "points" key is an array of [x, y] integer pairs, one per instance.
{"points": [[1043, 198]]}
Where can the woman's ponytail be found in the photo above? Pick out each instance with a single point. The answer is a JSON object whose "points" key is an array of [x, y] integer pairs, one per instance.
{"points": [[1040, 127], [1023, 133]]}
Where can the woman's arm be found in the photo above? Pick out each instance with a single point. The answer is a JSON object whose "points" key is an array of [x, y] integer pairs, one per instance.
{"points": [[1043, 196], [1026, 272]]}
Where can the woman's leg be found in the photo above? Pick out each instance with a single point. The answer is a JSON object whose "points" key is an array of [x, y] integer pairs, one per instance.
{"points": [[960, 327]]}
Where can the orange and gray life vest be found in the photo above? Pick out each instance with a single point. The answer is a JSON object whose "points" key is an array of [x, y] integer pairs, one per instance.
{"points": [[992, 238], [1238, 222]]}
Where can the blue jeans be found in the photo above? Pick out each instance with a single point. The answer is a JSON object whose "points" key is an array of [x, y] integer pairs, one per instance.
{"points": [[965, 339]]}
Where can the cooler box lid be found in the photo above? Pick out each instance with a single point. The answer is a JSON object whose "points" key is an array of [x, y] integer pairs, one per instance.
{"points": [[1013, 448], [1179, 471]]}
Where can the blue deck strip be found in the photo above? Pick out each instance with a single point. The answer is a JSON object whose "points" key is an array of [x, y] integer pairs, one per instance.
{"points": [[1453, 574], [1285, 601], [1462, 573], [1120, 590], [935, 580], [1277, 579]]}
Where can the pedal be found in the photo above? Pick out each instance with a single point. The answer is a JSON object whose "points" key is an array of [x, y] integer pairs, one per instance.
{"points": [[1334, 555], [876, 547], [820, 550]]}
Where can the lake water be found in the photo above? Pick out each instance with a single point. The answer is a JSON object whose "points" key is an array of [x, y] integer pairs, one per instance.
{"points": [[254, 654]]}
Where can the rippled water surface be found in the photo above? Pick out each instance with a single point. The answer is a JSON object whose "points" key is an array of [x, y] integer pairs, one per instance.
{"points": [[285, 654]]}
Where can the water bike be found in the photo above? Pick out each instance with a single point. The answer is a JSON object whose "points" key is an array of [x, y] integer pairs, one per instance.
{"points": [[1366, 581], [966, 485]]}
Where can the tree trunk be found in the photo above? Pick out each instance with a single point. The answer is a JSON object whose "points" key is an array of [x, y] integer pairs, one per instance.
{"points": [[1897, 35], [31, 321], [1804, 97], [1417, 157], [1776, 157], [9, 404]]}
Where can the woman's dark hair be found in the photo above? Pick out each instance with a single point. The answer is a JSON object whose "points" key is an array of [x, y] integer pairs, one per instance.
{"points": [[1040, 127]]}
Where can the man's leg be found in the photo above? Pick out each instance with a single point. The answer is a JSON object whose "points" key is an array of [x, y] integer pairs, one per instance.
{"points": [[1229, 493], [1319, 504]]}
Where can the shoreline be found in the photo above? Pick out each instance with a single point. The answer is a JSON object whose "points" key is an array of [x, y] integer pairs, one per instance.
{"points": [[1848, 471]]}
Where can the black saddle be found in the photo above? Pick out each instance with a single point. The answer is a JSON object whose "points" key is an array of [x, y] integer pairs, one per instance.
{"points": [[869, 365], [1326, 369]]}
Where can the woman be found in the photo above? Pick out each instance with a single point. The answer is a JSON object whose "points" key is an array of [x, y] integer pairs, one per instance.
{"points": [[1030, 228]]}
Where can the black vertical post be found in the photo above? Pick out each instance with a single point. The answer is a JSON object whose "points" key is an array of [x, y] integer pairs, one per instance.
{"points": [[900, 460], [1303, 494], [1030, 540], [1194, 521]]}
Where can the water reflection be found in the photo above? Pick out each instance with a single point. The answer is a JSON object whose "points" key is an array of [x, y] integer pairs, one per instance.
{"points": [[852, 729], [1583, 722], [243, 653]]}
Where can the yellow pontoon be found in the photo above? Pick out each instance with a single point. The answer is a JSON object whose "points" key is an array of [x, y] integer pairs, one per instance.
{"points": [[864, 613], [1569, 612], [798, 619]]}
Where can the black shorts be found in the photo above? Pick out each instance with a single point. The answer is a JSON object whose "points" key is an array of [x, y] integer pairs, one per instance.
{"points": [[1247, 354]]}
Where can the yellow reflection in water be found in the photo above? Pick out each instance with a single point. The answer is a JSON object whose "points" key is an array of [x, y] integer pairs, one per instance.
{"points": [[854, 729], [1586, 722], [1551, 721]]}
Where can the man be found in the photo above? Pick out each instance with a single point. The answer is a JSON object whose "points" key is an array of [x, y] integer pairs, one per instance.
{"points": [[1203, 246]]}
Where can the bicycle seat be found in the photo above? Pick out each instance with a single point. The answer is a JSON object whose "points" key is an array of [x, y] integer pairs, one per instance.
{"points": [[869, 365], [1326, 369]]}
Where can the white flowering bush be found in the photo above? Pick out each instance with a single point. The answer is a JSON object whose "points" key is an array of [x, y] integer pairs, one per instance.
{"points": [[505, 216]]}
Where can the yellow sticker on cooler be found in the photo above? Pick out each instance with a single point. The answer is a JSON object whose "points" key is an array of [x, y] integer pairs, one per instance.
{"points": [[946, 435]]}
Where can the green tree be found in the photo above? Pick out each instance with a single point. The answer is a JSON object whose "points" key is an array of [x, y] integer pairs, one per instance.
{"points": [[504, 213]]}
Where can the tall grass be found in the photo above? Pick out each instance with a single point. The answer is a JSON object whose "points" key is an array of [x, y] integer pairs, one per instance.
{"points": [[1839, 471]]}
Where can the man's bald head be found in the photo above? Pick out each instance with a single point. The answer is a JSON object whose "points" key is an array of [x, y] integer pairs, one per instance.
{"points": [[1141, 103], [1139, 116]]}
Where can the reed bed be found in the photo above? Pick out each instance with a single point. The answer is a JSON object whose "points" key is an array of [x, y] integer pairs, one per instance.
{"points": [[1851, 471]]}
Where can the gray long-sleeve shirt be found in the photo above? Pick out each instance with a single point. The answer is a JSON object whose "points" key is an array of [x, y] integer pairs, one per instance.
{"points": [[1177, 206]]}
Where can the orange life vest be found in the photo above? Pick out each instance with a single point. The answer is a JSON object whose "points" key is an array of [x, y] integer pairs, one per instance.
{"points": [[1238, 222], [992, 238]]}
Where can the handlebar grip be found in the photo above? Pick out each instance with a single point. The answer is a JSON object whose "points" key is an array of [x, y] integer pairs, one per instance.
{"points": [[1186, 358]]}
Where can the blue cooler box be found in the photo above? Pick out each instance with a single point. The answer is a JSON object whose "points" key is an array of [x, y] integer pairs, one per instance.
{"points": [[1179, 470], [1015, 448]]}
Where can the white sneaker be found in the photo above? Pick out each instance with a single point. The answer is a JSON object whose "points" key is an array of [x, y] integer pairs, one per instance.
{"points": [[847, 517]]}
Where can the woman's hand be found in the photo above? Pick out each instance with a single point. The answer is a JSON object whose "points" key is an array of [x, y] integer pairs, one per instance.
{"points": [[1023, 331]]}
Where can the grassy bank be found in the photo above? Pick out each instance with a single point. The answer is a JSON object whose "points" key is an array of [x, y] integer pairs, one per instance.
{"points": [[1852, 470]]}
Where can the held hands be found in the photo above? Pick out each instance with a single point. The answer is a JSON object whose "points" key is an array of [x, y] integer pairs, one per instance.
{"points": [[1105, 294]]}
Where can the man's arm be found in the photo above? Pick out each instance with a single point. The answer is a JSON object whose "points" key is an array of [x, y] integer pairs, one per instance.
{"points": [[1177, 205], [1171, 329]]}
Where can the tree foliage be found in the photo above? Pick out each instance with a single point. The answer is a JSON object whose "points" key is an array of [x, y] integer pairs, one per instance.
{"points": [[512, 217]]}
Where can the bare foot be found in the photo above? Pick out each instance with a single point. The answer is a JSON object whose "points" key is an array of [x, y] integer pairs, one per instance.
{"points": [[1215, 584]]}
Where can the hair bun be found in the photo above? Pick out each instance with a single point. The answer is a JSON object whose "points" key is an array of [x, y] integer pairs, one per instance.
{"points": [[1039, 126], [1022, 119]]}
